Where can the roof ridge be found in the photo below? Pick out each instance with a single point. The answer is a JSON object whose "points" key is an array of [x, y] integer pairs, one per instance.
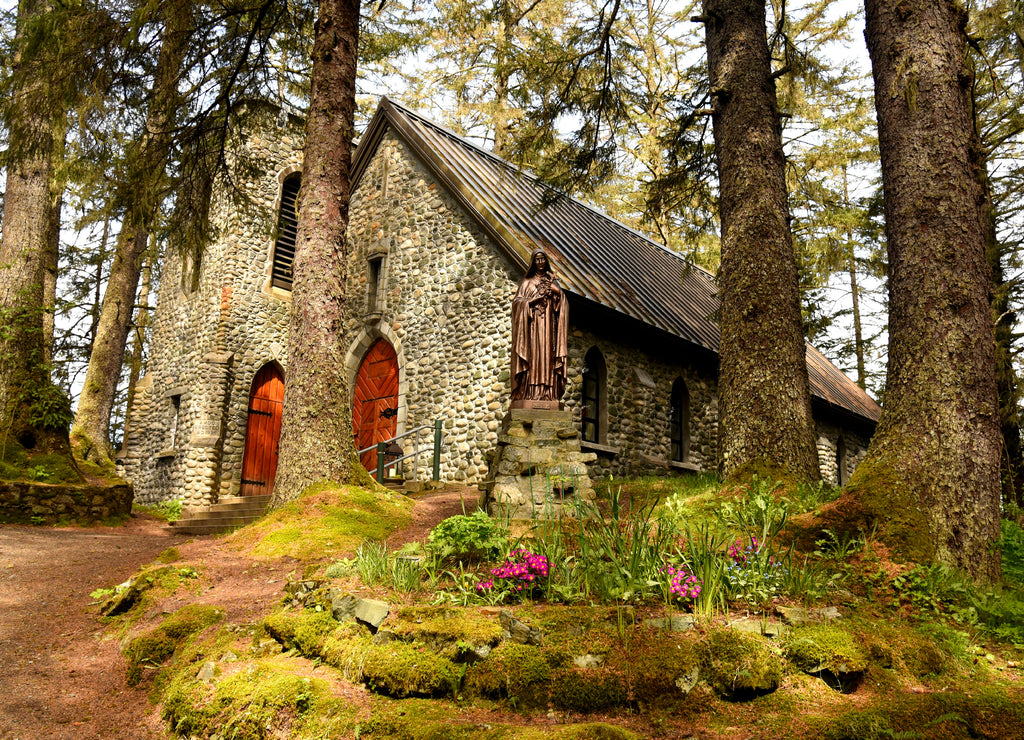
{"points": [[523, 171]]}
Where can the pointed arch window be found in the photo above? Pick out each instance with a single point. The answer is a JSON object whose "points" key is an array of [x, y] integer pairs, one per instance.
{"points": [[594, 397], [679, 422], [287, 230]]}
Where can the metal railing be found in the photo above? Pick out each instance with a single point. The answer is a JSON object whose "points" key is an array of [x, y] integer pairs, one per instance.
{"points": [[382, 447]]}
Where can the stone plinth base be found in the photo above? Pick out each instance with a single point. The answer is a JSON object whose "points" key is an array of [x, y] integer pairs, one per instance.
{"points": [[538, 469]]}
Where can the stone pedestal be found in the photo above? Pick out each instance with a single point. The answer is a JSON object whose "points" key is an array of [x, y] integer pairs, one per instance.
{"points": [[538, 469]]}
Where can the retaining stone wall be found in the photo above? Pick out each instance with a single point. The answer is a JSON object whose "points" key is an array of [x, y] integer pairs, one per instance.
{"points": [[48, 504]]}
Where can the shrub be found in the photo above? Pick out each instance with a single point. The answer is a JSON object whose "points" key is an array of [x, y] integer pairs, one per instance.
{"points": [[466, 538]]}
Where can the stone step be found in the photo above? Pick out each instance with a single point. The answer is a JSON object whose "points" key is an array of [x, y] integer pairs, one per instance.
{"points": [[211, 528], [227, 514]]}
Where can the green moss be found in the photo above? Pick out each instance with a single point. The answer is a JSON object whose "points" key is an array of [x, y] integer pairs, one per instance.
{"points": [[825, 647], [307, 631], [738, 665], [512, 671], [170, 555], [400, 669], [869, 724], [326, 521], [878, 499], [157, 645], [763, 469], [587, 690], [654, 663], [595, 731], [445, 629], [266, 699]]}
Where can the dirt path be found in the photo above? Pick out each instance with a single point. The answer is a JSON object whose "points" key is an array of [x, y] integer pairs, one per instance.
{"points": [[61, 677]]}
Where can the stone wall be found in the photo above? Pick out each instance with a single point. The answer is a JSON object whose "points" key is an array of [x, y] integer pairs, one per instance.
{"points": [[49, 504], [209, 343], [840, 450], [443, 300]]}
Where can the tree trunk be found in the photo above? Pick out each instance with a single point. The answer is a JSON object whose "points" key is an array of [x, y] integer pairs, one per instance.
{"points": [[765, 406], [931, 476], [90, 434], [34, 412], [851, 268], [138, 340], [316, 430]]}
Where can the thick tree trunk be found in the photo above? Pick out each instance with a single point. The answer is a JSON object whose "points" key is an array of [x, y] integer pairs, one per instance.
{"points": [[765, 406], [931, 476], [316, 430], [90, 434], [30, 407]]}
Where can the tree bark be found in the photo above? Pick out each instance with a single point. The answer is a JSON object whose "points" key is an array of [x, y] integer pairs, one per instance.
{"points": [[90, 434], [316, 430], [931, 476], [30, 407], [138, 340], [765, 406]]}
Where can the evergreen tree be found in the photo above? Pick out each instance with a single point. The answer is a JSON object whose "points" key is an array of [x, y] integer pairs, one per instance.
{"points": [[146, 180], [316, 427], [764, 395], [930, 480]]}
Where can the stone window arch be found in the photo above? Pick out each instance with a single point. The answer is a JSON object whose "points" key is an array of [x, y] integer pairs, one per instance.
{"points": [[287, 230], [679, 422], [594, 396]]}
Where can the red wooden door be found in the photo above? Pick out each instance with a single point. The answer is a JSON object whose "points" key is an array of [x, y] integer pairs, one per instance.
{"points": [[259, 463], [375, 400]]}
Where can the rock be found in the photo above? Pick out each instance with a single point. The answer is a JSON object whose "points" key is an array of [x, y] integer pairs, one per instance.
{"points": [[516, 631], [588, 661], [759, 627], [675, 624], [371, 612], [739, 666], [206, 673], [792, 615], [473, 653], [383, 637], [342, 607], [121, 602], [688, 680]]}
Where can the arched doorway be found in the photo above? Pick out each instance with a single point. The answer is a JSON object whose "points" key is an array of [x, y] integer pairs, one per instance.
{"points": [[262, 432], [375, 400]]}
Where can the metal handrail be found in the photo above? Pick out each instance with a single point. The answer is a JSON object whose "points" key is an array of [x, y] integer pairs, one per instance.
{"points": [[382, 448]]}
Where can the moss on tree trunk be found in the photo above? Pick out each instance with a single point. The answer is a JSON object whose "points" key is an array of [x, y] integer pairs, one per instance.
{"points": [[765, 403], [931, 476]]}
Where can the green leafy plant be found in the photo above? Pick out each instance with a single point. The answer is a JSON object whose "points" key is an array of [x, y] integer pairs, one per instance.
{"points": [[838, 547], [468, 538]]}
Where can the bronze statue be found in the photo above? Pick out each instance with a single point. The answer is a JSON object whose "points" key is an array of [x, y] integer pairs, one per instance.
{"points": [[540, 323]]}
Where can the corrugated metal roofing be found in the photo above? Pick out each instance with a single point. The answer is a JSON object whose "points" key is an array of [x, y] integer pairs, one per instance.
{"points": [[595, 256]]}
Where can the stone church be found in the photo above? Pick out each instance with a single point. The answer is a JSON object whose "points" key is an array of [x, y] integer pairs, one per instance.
{"points": [[440, 234]]}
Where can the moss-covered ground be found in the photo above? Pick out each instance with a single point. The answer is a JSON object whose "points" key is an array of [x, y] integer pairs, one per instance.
{"points": [[861, 647]]}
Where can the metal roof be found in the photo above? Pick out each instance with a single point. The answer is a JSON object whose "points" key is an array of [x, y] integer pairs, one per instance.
{"points": [[596, 257]]}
